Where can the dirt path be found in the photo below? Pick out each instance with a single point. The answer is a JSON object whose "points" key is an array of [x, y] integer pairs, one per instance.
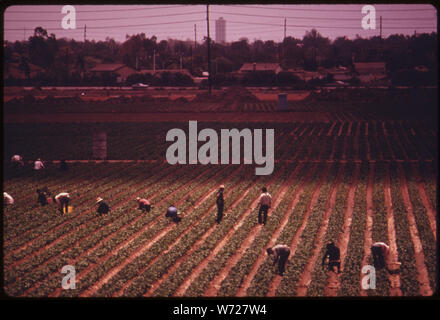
{"points": [[334, 282], [422, 277], [306, 276], [368, 234], [215, 284], [393, 255], [426, 202], [241, 292], [294, 243]]}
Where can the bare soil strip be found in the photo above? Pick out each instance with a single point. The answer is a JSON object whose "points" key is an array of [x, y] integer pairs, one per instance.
{"points": [[334, 282], [262, 256], [215, 284], [368, 234], [426, 202], [422, 277], [294, 243], [394, 278], [306, 276]]}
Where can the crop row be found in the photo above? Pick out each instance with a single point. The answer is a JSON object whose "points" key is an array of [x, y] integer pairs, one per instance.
{"points": [[128, 253]]}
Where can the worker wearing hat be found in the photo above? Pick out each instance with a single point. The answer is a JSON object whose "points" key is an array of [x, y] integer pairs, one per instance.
{"points": [[103, 207], [144, 204], [220, 203]]}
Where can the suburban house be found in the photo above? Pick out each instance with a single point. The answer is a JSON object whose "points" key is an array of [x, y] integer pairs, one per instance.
{"points": [[340, 73], [120, 69], [265, 67], [307, 75], [160, 71], [13, 70], [370, 71]]}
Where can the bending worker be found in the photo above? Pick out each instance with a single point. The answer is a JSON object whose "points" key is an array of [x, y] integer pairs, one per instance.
{"points": [[281, 253], [143, 204], [173, 213], [333, 254], [62, 200], [380, 252]]}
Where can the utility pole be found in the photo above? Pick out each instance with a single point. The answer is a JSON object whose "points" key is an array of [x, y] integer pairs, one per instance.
{"points": [[381, 27], [85, 32], [285, 20], [154, 61], [24, 34], [209, 49], [195, 36]]}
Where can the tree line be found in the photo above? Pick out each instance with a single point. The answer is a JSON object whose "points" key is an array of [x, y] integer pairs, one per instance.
{"points": [[67, 61]]}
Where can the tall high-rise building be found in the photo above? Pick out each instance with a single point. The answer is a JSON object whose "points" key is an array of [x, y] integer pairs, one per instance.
{"points": [[220, 30]]}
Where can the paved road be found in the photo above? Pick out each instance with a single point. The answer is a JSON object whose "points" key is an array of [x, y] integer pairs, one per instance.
{"points": [[168, 117]]}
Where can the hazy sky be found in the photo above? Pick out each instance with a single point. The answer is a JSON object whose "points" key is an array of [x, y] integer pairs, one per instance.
{"points": [[265, 22]]}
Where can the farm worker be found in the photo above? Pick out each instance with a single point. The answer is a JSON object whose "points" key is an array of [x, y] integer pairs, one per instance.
{"points": [[7, 199], [264, 204], [143, 204], [17, 161], [63, 165], [281, 253], [380, 251], [103, 207], [220, 203], [38, 165], [172, 213], [42, 197], [333, 254], [62, 200]]}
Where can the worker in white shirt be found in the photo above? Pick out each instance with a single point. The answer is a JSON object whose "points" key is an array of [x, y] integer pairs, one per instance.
{"points": [[38, 165], [62, 200], [7, 199], [264, 204], [17, 161]]}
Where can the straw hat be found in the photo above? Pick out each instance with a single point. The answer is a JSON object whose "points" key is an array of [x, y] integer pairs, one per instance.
{"points": [[222, 186], [137, 199], [98, 200]]}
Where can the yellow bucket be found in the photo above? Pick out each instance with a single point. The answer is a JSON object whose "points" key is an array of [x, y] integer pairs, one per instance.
{"points": [[70, 208]]}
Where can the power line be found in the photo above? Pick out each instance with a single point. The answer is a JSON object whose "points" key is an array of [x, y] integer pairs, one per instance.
{"points": [[330, 10], [323, 27], [103, 19], [104, 10], [316, 18], [125, 26]]}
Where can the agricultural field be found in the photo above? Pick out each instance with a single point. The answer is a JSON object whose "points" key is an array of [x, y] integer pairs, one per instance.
{"points": [[352, 179]]}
